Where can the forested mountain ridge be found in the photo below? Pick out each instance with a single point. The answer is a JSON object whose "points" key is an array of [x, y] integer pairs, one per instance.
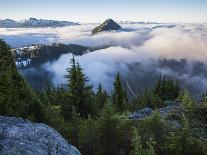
{"points": [[36, 55]]}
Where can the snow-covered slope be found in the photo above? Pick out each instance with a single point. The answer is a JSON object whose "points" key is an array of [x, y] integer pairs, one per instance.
{"points": [[33, 22]]}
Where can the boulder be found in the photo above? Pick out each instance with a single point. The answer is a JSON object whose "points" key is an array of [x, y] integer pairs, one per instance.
{"points": [[19, 136], [141, 113], [173, 107]]}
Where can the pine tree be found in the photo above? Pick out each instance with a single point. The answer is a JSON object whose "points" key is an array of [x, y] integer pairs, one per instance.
{"points": [[119, 94], [187, 100], [79, 93], [176, 90], [158, 86], [101, 97], [167, 89], [16, 97]]}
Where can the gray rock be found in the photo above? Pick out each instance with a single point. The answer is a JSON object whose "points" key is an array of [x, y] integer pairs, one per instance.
{"points": [[141, 113], [164, 111], [22, 137]]}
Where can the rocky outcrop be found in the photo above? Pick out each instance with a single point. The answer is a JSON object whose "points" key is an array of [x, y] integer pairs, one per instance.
{"points": [[171, 107], [141, 113], [108, 25], [18, 136]]}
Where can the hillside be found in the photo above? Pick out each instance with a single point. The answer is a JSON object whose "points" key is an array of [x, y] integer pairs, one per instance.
{"points": [[36, 55]]}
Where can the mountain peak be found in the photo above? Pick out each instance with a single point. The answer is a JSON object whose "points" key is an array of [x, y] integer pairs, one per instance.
{"points": [[108, 25], [32, 18]]}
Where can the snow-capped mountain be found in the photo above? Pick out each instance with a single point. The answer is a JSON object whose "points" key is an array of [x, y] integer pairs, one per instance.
{"points": [[33, 22]]}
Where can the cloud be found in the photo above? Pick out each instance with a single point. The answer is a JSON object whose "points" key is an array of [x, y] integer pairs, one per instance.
{"points": [[80, 34], [140, 52]]}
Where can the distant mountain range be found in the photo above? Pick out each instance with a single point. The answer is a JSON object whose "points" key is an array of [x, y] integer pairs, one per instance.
{"points": [[33, 22], [139, 22]]}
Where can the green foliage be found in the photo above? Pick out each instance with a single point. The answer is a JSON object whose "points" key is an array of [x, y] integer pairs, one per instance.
{"points": [[119, 96], [148, 99], [89, 137], [101, 97], [136, 143], [187, 100], [137, 146], [80, 95], [183, 143], [74, 126], [167, 89], [115, 133], [16, 97]]}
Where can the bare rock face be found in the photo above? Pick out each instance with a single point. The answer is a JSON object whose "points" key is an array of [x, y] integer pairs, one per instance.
{"points": [[108, 25], [18, 136]]}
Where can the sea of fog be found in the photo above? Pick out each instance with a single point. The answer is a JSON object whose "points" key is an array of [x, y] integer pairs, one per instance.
{"points": [[140, 52]]}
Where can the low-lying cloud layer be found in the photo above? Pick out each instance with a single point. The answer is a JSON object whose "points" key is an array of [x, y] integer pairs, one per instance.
{"points": [[140, 52]]}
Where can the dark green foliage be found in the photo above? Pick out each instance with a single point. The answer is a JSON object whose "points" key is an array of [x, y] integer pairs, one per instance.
{"points": [[183, 143], [101, 97], [80, 95], [16, 97], [119, 96], [107, 134], [137, 145], [187, 100], [89, 137], [148, 99], [167, 89]]}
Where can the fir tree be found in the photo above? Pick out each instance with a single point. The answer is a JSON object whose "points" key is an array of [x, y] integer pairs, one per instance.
{"points": [[16, 97], [119, 94], [101, 97], [80, 94]]}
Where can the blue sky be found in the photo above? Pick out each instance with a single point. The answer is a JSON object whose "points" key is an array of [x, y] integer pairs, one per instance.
{"points": [[99, 10]]}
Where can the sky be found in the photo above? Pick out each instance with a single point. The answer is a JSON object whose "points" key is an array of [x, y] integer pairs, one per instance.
{"points": [[98, 10]]}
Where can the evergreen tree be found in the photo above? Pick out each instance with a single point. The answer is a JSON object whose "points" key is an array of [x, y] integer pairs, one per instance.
{"points": [[16, 97], [119, 99], [187, 100], [167, 89], [182, 142], [80, 94], [101, 97]]}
